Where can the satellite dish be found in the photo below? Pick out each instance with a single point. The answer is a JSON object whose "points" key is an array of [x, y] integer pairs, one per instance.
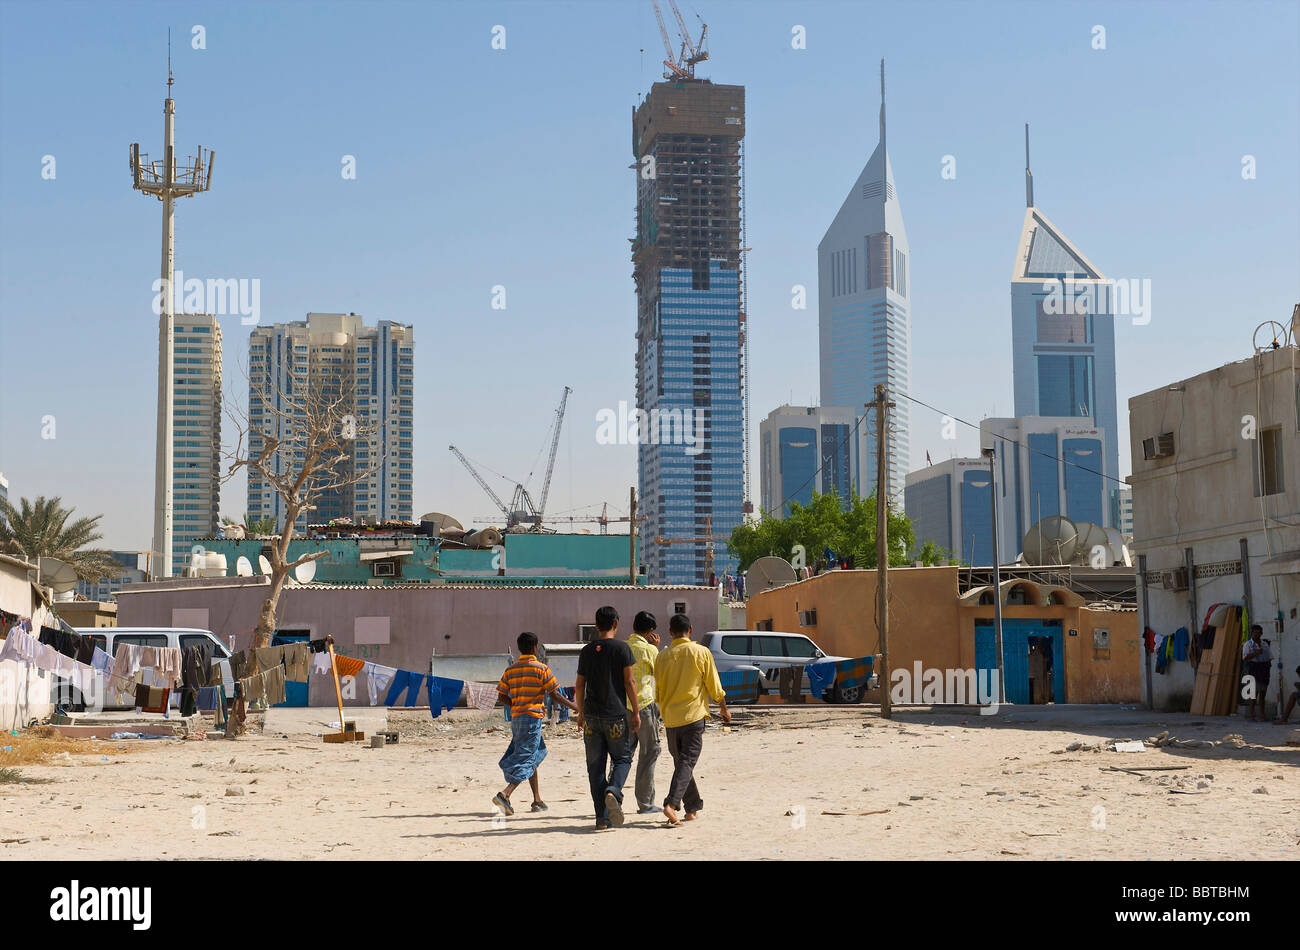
{"points": [[441, 522], [1116, 541], [1052, 540], [59, 576], [304, 573], [1091, 537], [264, 564], [244, 567], [768, 572]]}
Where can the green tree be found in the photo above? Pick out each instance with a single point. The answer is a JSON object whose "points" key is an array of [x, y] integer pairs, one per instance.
{"points": [[42, 528], [255, 527], [824, 523]]}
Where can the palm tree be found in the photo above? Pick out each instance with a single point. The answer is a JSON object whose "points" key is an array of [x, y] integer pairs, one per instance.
{"points": [[255, 527], [41, 529]]}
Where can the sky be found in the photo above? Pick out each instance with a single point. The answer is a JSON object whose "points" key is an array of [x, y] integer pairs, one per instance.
{"points": [[478, 167]]}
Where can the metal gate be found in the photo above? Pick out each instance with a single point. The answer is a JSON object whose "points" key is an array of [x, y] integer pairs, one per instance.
{"points": [[1015, 655]]}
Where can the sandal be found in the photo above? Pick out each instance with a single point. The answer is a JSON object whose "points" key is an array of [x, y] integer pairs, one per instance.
{"points": [[539, 806], [503, 803]]}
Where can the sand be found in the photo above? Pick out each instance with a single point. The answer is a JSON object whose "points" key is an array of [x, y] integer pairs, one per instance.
{"points": [[944, 787]]}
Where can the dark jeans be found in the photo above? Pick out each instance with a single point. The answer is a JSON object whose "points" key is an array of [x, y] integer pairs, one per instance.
{"points": [[684, 745], [606, 738]]}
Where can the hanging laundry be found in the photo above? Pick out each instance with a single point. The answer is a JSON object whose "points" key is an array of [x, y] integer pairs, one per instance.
{"points": [[1148, 639], [209, 698], [215, 676], [444, 694], [266, 658], [48, 658], [1162, 653], [21, 645], [85, 650], [295, 662], [481, 695], [273, 685], [253, 688], [196, 661], [126, 661], [239, 665], [169, 665], [403, 681], [320, 663], [378, 679], [149, 697], [317, 646], [347, 665], [1180, 644], [101, 661], [821, 677]]}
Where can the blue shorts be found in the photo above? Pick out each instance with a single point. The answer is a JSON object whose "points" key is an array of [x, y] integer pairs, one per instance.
{"points": [[526, 751]]}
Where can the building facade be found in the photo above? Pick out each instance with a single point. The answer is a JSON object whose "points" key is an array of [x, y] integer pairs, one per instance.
{"points": [[196, 436], [1047, 466], [1216, 509], [687, 140], [863, 295], [134, 571], [948, 504], [337, 352], [1062, 332], [806, 449]]}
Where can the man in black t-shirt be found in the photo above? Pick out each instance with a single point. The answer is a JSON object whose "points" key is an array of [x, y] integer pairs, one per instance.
{"points": [[604, 692]]}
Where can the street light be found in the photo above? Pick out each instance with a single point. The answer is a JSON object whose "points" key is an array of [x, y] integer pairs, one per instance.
{"points": [[991, 454]]}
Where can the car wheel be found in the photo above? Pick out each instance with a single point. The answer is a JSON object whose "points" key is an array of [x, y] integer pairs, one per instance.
{"points": [[849, 696]]}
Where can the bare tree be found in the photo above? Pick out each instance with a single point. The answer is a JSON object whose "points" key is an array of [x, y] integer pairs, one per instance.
{"points": [[299, 438]]}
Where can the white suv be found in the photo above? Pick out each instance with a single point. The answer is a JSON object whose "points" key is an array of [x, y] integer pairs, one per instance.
{"points": [[769, 651]]}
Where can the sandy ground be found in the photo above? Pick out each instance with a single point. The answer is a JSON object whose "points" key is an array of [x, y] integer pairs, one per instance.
{"points": [[945, 787]]}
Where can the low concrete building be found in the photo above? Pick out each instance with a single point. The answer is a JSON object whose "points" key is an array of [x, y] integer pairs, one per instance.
{"points": [[943, 623], [87, 613], [404, 626], [1216, 509], [25, 691]]}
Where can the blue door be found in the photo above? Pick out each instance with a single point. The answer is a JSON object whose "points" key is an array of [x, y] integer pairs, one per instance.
{"points": [[1015, 654], [295, 693]]}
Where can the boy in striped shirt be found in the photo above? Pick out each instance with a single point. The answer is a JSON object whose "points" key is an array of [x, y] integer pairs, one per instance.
{"points": [[524, 687]]}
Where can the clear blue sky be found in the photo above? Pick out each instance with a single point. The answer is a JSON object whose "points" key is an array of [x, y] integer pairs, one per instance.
{"points": [[478, 167]]}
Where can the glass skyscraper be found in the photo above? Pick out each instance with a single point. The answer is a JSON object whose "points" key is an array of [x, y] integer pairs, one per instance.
{"points": [[1063, 339], [865, 326], [687, 140]]}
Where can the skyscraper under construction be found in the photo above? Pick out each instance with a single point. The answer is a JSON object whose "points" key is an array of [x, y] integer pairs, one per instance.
{"points": [[687, 137]]}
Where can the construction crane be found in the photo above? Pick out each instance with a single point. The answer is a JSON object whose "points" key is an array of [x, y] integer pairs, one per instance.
{"points": [[707, 541], [522, 510], [682, 65], [603, 519]]}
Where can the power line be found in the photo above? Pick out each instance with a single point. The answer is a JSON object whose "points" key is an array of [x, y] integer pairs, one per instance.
{"points": [[1016, 442]]}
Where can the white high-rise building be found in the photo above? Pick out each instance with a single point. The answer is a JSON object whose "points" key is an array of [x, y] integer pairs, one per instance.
{"points": [[862, 298], [806, 449], [318, 352], [196, 433]]}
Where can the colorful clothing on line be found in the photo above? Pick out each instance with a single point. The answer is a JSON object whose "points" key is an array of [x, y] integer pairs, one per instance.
{"points": [[739, 686], [404, 682], [443, 694], [348, 666], [524, 686], [851, 674], [526, 751], [821, 676], [482, 696]]}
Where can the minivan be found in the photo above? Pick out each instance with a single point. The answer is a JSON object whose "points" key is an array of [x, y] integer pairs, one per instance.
{"points": [[769, 651], [107, 639]]}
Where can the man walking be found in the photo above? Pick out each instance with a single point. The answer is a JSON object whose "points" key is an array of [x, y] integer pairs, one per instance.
{"points": [[1259, 664], [608, 715], [524, 686], [644, 643], [685, 678]]}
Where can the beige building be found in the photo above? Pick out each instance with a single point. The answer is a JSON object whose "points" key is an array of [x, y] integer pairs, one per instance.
{"points": [[323, 351], [1216, 509], [196, 439]]}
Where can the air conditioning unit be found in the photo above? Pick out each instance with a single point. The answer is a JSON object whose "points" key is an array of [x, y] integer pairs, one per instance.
{"points": [[1160, 447], [1176, 579], [587, 632], [808, 618]]}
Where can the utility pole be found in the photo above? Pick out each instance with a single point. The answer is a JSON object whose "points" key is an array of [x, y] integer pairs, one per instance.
{"points": [[166, 182], [631, 538], [991, 453], [883, 406]]}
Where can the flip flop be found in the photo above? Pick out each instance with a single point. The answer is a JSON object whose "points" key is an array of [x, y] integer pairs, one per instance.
{"points": [[539, 806], [615, 809], [671, 814], [503, 803]]}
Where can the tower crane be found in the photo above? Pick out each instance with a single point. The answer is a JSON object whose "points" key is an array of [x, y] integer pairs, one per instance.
{"points": [[555, 442], [707, 541], [682, 65]]}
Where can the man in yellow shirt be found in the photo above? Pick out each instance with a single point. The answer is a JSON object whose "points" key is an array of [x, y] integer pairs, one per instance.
{"points": [[685, 678], [645, 649]]}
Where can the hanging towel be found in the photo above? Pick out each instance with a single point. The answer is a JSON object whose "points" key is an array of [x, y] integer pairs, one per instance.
{"points": [[253, 687], [404, 681], [266, 658], [273, 685], [481, 696], [101, 661], [378, 679], [209, 697], [347, 665], [444, 694]]}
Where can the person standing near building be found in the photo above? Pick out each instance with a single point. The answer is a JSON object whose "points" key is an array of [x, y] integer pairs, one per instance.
{"points": [[608, 715], [523, 687], [685, 678], [1259, 662], [644, 643]]}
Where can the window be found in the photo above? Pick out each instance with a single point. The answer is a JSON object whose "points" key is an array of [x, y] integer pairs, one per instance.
{"points": [[141, 639], [196, 640], [801, 647], [1061, 327], [766, 646], [735, 646], [1267, 463]]}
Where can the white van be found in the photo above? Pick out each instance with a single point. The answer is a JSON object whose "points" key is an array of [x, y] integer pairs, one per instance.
{"points": [[107, 639], [769, 651]]}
